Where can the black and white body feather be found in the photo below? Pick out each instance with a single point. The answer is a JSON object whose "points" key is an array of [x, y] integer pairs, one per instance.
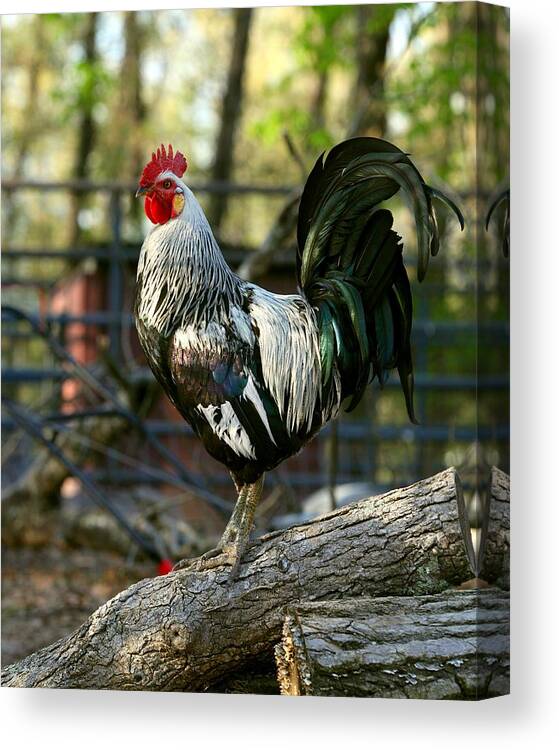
{"points": [[257, 374]]}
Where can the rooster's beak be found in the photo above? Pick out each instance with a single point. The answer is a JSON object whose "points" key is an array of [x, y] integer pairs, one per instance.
{"points": [[142, 190]]}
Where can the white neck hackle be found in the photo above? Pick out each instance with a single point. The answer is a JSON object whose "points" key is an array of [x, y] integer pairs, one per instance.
{"points": [[180, 266]]}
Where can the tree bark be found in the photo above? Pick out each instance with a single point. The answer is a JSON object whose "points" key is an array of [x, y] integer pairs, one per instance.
{"points": [[189, 629], [448, 646], [230, 113]]}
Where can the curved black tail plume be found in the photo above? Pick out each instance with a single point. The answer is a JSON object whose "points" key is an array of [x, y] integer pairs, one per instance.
{"points": [[349, 261]]}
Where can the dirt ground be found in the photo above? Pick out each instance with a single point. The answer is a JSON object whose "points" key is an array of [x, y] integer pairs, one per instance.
{"points": [[47, 592]]}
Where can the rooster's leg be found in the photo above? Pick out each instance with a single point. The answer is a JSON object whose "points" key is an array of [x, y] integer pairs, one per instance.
{"points": [[236, 535], [230, 532]]}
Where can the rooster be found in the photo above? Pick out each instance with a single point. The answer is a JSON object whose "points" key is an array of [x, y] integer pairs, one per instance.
{"points": [[258, 374]]}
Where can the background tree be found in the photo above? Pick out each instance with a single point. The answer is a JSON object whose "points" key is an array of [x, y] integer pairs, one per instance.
{"points": [[230, 111], [131, 86], [86, 97], [372, 35]]}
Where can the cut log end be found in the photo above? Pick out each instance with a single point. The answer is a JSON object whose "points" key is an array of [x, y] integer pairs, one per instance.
{"points": [[494, 552], [448, 646], [472, 549]]}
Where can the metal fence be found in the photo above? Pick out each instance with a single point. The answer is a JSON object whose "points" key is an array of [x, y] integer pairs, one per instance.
{"points": [[367, 433]]}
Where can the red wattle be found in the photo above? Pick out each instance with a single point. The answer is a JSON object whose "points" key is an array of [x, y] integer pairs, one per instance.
{"points": [[157, 210], [147, 209]]}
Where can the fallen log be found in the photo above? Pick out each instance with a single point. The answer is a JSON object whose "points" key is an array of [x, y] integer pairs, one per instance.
{"points": [[189, 629], [453, 645], [494, 552]]}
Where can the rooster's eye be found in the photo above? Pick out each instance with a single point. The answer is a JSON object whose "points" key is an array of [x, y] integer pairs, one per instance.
{"points": [[167, 184]]}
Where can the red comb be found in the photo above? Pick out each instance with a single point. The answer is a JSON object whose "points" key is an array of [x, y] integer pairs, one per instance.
{"points": [[161, 161]]}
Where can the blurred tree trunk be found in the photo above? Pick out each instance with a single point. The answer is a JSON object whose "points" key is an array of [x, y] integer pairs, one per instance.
{"points": [[132, 85], [319, 99], [134, 110], [230, 112], [492, 82], [368, 93], [25, 139], [29, 127], [86, 124]]}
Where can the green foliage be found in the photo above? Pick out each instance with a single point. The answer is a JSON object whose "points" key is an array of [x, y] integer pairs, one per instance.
{"points": [[270, 128], [87, 85], [318, 43]]}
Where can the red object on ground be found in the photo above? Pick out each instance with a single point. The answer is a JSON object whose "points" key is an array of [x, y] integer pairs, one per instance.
{"points": [[165, 566]]}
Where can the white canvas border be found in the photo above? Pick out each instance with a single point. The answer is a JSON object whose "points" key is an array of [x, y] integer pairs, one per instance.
{"points": [[73, 719]]}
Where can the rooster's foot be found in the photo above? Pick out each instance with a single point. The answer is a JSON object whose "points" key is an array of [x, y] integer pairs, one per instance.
{"points": [[207, 561], [234, 541], [228, 554]]}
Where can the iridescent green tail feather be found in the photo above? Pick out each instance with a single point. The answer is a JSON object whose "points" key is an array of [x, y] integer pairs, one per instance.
{"points": [[350, 266]]}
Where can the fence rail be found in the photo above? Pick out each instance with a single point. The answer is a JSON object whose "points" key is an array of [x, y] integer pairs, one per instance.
{"points": [[116, 319], [129, 188]]}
